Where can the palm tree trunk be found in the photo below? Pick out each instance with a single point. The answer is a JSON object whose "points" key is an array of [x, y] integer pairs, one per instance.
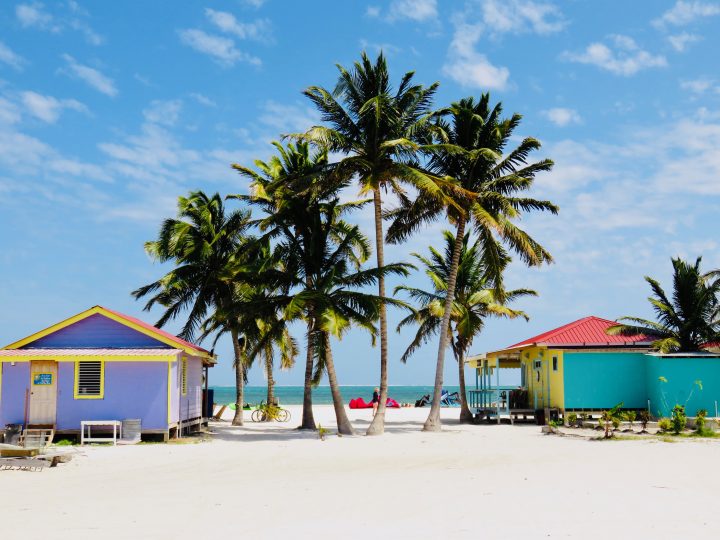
{"points": [[377, 426], [466, 416], [308, 421], [239, 380], [433, 420], [270, 380], [343, 424]]}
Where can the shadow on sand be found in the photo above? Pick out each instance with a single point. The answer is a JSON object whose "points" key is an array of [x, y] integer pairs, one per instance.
{"points": [[224, 431]]}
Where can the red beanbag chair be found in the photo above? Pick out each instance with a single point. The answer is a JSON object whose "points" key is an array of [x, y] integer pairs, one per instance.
{"points": [[359, 403]]}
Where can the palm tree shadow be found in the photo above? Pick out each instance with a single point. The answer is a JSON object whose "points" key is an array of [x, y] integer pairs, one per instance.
{"points": [[258, 432]]}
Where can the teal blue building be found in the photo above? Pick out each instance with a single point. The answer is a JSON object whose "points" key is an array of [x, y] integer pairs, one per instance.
{"points": [[580, 367]]}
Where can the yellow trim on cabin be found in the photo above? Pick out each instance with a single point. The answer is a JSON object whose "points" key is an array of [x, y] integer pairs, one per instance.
{"points": [[76, 390], [75, 357], [99, 310], [1, 374], [536, 379]]}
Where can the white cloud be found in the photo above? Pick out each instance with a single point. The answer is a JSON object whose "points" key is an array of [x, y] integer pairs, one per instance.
{"points": [[681, 41], [414, 10], [561, 116], [254, 3], [259, 30], [288, 118], [34, 15], [689, 162], [48, 108], [219, 48], [203, 100], [9, 112], [92, 37], [91, 76], [519, 16], [470, 68], [30, 158], [697, 86], [163, 112], [626, 59], [683, 13], [10, 58], [386, 48]]}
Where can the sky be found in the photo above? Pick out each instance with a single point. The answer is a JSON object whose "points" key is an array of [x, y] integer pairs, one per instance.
{"points": [[111, 110]]}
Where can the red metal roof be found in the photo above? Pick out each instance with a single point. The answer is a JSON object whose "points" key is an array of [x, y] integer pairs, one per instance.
{"points": [[587, 331], [150, 327]]}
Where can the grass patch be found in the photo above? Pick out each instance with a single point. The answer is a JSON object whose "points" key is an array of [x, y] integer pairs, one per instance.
{"points": [[66, 442]]}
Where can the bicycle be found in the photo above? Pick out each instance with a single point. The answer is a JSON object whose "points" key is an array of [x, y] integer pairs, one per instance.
{"points": [[266, 412]]}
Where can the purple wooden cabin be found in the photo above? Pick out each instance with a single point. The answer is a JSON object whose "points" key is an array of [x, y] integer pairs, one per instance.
{"points": [[103, 365]]}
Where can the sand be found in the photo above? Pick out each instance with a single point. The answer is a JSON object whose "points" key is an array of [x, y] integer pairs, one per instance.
{"points": [[270, 481]]}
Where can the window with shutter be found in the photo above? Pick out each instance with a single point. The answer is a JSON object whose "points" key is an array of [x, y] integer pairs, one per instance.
{"points": [[89, 379]]}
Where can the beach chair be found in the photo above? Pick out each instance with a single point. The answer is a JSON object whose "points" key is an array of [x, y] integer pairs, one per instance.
{"points": [[219, 410]]}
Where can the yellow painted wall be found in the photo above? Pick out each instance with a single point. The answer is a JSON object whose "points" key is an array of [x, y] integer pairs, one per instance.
{"points": [[537, 381]]}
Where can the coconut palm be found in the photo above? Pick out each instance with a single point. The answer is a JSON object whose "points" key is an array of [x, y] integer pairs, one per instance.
{"points": [[476, 298], [322, 257], [375, 126], [271, 190], [688, 320], [204, 243], [263, 330], [471, 148]]}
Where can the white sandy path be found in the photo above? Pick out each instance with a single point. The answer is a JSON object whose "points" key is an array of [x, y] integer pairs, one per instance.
{"points": [[265, 481]]}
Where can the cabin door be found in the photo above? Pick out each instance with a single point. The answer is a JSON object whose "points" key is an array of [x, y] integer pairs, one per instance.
{"points": [[43, 393]]}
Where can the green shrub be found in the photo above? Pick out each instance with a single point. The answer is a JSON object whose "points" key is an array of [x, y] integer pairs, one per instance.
{"points": [[678, 419], [664, 424], [701, 423], [630, 416], [644, 418], [572, 419]]}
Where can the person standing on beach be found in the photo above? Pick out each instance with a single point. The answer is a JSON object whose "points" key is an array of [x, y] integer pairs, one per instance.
{"points": [[375, 400]]}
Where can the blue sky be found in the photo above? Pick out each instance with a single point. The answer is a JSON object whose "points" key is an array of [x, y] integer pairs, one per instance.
{"points": [[109, 111]]}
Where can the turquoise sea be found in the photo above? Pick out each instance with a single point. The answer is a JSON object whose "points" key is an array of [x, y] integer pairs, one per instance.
{"points": [[293, 395]]}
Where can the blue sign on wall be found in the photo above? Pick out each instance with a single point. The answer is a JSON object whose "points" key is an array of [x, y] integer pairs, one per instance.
{"points": [[42, 379]]}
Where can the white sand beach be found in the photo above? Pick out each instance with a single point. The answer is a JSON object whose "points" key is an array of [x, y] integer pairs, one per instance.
{"points": [[270, 481]]}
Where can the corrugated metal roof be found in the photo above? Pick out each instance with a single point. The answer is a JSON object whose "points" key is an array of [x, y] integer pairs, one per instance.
{"points": [[587, 331], [50, 353]]}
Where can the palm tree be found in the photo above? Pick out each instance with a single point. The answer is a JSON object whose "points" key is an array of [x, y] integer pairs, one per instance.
{"points": [[470, 148], [476, 298], [686, 322], [322, 257], [204, 243], [375, 127], [262, 328], [270, 191]]}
